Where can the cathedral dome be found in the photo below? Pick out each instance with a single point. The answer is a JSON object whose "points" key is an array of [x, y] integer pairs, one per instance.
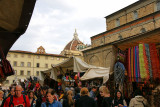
{"points": [[74, 44]]}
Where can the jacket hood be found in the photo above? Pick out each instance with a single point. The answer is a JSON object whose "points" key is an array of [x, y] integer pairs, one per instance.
{"points": [[139, 98]]}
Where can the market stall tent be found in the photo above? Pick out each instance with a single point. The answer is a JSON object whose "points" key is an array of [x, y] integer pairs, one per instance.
{"points": [[77, 65], [98, 72]]}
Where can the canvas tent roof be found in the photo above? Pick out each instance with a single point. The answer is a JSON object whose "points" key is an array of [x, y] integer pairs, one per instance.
{"points": [[15, 16], [73, 63], [77, 65], [98, 72]]}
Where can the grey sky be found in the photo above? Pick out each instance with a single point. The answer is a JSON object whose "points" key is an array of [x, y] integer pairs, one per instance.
{"points": [[54, 21]]}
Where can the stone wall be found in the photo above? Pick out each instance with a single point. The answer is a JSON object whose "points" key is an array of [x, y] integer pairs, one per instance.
{"points": [[126, 15], [104, 56], [148, 23]]}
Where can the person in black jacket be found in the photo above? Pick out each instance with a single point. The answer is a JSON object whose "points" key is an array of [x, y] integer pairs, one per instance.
{"points": [[12, 93], [107, 100], [118, 100], [85, 100]]}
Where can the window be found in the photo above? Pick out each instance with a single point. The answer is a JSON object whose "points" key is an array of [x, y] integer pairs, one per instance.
{"points": [[28, 73], [15, 55], [117, 22], [15, 63], [8, 55], [28, 64], [37, 73], [46, 57], [158, 5], [38, 57], [22, 64], [143, 30], [21, 72], [22, 55], [135, 15], [63, 59], [120, 37], [58, 59], [29, 56], [38, 65], [15, 72], [52, 58], [46, 65]]}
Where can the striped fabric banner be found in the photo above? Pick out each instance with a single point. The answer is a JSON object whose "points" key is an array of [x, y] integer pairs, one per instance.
{"points": [[145, 62], [141, 63], [149, 60], [154, 61]]}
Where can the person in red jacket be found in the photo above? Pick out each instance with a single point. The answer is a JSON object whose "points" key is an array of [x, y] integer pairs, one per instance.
{"points": [[18, 100]]}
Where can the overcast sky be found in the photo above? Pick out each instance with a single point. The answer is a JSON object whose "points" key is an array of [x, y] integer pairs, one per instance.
{"points": [[53, 22]]}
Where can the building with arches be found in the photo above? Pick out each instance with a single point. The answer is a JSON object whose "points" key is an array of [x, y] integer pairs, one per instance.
{"points": [[136, 23]]}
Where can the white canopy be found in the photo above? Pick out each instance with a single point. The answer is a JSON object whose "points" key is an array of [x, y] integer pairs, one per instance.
{"points": [[98, 72], [77, 65]]}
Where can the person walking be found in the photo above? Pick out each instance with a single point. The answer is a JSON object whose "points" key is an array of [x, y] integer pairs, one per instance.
{"points": [[1, 97], [51, 102], [85, 100], [42, 96], [118, 100], [12, 93], [93, 92], [32, 99], [138, 100], [18, 100], [107, 100], [69, 102]]}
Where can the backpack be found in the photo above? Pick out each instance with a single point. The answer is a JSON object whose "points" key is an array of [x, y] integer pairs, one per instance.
{"points": [[11, 100]]}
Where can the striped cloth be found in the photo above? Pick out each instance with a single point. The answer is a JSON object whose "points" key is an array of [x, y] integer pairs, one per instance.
{"points": [[136, 62], [146, 62], [132, 71], [154, 61], [149, 60], [129, 64], [138, 69], [141, 63]]}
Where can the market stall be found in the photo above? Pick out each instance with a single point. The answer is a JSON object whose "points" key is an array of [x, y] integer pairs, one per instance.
{"points": [[72, 71], [140, 58]]}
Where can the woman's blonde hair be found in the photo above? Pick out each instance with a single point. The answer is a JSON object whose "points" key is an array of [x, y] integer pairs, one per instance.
{"points": [[69, 96], [1, 92], [104, 89], [84, 91]]}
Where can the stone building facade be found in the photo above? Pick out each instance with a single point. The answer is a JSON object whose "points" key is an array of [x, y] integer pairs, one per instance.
{"points": [[26, 64], [125, 28]]}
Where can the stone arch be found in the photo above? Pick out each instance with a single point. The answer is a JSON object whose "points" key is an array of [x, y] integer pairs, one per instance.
{"points": [[94, 60], [108, 59]]}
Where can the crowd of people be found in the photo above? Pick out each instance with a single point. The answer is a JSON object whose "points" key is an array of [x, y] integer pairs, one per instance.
{"points": [[43, 96]]}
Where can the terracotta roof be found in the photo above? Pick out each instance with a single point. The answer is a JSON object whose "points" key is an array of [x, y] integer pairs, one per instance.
{"points": [[72, 45], [27, 52]]}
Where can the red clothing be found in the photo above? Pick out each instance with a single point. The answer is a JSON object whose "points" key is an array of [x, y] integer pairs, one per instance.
{"points": [[17, 101], [37, 85], [44, 99]]}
